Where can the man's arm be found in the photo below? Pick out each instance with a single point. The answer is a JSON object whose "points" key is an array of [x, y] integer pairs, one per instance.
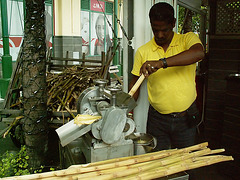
{"points": [[194, 54]]}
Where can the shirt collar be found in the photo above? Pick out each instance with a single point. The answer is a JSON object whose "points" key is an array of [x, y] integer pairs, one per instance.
{"points": [[173, 43]]}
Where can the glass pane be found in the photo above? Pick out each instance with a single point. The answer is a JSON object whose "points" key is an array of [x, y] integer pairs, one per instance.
{"points": [[97, 33], [85, 32]]}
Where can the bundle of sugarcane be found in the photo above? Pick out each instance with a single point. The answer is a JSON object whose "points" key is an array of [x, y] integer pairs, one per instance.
{"points": [[64, 88], [146, 166]]}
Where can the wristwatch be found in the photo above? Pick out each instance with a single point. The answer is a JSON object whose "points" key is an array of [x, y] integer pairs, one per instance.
{"points": [[164, 62]]}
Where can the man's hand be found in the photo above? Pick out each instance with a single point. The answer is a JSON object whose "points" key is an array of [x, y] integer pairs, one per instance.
{"points": [[150, 67]]}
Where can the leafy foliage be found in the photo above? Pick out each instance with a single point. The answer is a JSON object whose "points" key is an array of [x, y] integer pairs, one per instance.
{"points": [[16, 164], [12, 164], [195, 20]]}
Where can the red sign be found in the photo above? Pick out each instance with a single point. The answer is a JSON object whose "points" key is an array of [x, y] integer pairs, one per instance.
{"points": [[97, 5]]}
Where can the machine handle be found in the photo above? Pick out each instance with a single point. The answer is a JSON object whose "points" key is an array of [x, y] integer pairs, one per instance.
{"points": [[136, 85]]}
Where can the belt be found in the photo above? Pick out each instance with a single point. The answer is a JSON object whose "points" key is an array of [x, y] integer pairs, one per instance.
{"points": [[176, 114]]}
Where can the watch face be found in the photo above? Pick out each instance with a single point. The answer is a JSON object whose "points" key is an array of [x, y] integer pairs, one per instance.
{"points": [[164, 62]]}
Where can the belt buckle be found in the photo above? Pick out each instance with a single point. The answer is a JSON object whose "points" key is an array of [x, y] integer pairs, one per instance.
{"points": [[175, 115]]}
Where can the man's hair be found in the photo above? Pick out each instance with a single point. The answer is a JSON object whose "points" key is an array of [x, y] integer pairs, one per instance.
{"points": [[162, 12]]}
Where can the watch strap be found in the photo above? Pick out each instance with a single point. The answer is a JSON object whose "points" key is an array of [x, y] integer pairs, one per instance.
{"points": [[165, 65]]}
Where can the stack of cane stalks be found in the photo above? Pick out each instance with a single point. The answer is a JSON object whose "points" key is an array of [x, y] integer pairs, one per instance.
{"points": [[146, 166], [64, 88]]}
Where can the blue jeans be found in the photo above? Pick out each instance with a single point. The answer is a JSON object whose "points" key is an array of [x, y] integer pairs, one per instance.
{"points": [[170, 132]]}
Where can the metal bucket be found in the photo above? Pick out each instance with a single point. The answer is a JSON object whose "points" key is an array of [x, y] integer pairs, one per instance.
{"points": [[143, 143]]}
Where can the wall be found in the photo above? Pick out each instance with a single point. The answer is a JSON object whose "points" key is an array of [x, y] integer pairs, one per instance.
{"points": [[222, 124], [67, 28], [67, 17], [224, 59]]}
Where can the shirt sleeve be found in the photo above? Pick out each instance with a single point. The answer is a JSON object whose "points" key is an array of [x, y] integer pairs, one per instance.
{"points": [[191, 39]]}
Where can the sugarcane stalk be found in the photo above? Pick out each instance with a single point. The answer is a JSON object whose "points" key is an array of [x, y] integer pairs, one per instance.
{"points": [[122, 162], [16, 104], [80, 169], [161, 172], [105, 67], [143, 167], [49, 100], [115, 160], [180, 163], [146, 166], [14, 123], [216, 151], [186, 156], [123, 169], [70, 100], [158, 163], [187, 149], [69, 95], [62, 87], [58, 83], [208, 157], [33, 176], [68, 110], [133, 160]]}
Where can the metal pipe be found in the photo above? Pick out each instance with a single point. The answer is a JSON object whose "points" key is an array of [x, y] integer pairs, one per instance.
{"points": [[115, 41], [6, 58]]}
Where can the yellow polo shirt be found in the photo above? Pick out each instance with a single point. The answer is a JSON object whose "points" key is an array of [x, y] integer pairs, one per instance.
{"points": [[172, 89]]}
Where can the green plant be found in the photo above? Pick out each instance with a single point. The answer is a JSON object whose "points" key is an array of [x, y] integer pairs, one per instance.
{"points": [[14, 164]]}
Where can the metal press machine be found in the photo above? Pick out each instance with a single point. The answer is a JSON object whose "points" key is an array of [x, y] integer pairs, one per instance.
{"points": [[112, 136]]}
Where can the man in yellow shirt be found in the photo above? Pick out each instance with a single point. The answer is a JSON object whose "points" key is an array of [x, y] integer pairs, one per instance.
{"points": [[168, 62]]}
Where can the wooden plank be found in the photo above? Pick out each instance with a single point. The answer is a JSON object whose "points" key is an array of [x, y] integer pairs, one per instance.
{"points": [[233, 101], [79, 60], [65, 114], [58, 122], [223, 65], [215, 105], [231, 129], [213, 114], [11, 111], [227, 55], [216, 95], [8, 120], [233, 111], [217, 84], [224, 43], [219, 74]]}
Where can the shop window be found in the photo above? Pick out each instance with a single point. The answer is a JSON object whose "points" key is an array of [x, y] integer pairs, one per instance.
{"points": [[96, 23]]}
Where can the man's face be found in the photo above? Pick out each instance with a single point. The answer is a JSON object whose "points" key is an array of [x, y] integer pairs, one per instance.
{"points": [[162, 32], [100, 29]]}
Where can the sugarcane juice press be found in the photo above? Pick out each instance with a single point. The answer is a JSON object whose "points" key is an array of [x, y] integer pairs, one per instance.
{"points": [[107, 137]]}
